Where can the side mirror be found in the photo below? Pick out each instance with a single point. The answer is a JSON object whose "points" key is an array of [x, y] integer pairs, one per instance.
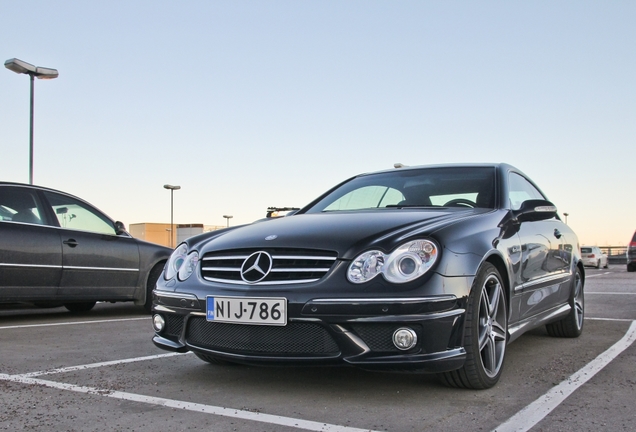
{"points": [[120, 228], [535, 210]]}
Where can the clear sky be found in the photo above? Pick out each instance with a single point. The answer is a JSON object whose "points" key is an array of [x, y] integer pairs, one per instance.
{"points": [[250, 104]]}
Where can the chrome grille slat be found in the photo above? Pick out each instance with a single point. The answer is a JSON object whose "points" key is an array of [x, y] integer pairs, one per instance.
{"points": [[289, 266], [225, 258], [241, 282], [289, 270]]}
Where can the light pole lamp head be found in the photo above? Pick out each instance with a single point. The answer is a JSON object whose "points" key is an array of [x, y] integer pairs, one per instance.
{"points": [[167, 186], [22, 67], [227, 218]]}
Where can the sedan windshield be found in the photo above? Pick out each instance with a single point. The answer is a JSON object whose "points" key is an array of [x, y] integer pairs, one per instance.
{"points": [[465, 187]]}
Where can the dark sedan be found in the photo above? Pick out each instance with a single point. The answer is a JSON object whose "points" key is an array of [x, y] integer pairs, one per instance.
{"points": [[424, 269], [56, 249]]}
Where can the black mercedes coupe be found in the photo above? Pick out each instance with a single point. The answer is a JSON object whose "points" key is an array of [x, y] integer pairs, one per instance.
{"points": [[424, 269]]}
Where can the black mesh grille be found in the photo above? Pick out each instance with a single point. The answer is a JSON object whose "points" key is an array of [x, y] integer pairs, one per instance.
{"points": [[294, 339], [174, 325], [379, 337]]}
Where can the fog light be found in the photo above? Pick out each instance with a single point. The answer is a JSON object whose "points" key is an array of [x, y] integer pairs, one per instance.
{"points": [[158, 323], [404, 338]]}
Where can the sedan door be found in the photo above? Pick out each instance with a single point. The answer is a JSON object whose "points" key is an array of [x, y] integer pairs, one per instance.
{"points": [[30, 251], [98, 264]]}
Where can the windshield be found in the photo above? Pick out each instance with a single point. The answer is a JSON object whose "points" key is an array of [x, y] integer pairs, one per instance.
{"points": [[465, 187]]}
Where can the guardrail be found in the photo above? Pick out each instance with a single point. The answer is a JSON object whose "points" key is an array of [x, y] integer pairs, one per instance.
{"points": [[615, 254]]}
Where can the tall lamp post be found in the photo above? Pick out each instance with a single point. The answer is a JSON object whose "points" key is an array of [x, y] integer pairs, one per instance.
{"points": [[172, 189], [228, 217], [566, 217], [22, 67]]}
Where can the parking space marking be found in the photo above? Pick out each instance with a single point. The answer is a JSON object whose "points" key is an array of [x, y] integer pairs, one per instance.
{"points": [[597, 275], [96, 365], [540, 408], [609, 293], [73, 323], [189, 406]]}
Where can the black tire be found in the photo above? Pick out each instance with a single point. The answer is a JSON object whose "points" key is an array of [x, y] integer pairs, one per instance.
{"points": [[606, 264], [631, 267], [485, 333], [80, 307], [213, 360], [151, 283], [572, 325], [598, 264]]}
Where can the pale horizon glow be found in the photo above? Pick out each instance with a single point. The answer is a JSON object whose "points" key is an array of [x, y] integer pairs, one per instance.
{"points": [[249, 104]]}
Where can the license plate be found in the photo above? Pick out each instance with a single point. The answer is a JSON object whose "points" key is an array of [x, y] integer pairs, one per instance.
{"points": [[247, 310]]}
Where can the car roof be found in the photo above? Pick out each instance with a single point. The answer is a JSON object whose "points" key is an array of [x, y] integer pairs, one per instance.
{"points": [[500, 166], [32, 186]]}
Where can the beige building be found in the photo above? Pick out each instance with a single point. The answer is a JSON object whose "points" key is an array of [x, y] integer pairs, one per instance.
{"points": [[160, 232]]}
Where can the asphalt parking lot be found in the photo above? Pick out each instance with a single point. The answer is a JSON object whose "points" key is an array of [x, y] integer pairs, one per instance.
{"points": [[100, 372]]}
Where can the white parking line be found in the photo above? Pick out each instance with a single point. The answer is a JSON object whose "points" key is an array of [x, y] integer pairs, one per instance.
{"points": [[540, 408], [609, 319], [609, 293], [189, 406], [73, 323], [96, 365]]}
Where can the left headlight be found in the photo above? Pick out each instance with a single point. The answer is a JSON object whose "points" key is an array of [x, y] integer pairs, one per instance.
{"points": [[406, 263]]}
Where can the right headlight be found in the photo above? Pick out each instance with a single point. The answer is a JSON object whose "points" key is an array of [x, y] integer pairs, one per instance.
{"points": [[175, 261], [406, 263]]}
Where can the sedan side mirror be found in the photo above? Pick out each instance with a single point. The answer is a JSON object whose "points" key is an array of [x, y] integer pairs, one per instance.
{"points": [[535, 210], [120, 228]]}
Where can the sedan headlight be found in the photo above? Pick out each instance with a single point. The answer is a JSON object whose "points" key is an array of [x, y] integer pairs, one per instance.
{"points": [[406, 263], [175, 261]]}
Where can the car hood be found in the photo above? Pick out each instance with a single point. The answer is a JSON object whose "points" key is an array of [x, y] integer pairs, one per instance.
{"points": [[344, 232]]}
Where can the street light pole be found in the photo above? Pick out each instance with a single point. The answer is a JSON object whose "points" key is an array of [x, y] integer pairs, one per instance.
{"points": [[566, 217], [22, 67], [228, 217], [172, 189]]}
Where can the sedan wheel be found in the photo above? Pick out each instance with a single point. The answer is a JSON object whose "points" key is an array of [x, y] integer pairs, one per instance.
{"points": [[486, 333], [80, 307], [151, 283]]}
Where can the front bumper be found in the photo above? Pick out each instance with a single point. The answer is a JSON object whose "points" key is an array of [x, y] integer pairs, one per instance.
{"points": [[356, 332]]}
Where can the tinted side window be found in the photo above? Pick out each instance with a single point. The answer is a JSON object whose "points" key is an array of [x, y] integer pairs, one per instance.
{"points": [[74, 214], [521, 190], [19, 204]]}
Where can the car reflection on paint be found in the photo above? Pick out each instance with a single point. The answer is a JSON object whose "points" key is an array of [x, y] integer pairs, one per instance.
{"points": [[424, 269]]}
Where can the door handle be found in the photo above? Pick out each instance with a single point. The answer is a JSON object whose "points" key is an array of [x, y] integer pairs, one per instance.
{"points": [[71, 242], [557, 233]]}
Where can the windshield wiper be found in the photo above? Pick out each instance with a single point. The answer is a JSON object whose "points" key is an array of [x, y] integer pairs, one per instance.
{"points": [[411, 206]]}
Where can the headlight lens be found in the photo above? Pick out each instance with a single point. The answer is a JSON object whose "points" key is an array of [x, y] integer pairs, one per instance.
{"points": [[366, 267], [176, 261], [189, 266], [406, 263]]}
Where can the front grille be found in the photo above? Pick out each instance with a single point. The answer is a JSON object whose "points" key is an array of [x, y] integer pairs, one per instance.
{"points": [[379, 337], [289, 266], [294, 339]]}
